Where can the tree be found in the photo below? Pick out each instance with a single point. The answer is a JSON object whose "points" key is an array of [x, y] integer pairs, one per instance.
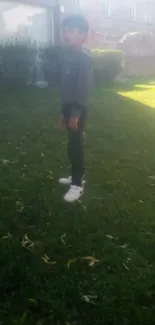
{"points": [[138, 43]]}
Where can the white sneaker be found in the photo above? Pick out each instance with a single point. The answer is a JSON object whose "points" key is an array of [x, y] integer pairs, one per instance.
{"points": [[68, 181], [74, 193]]}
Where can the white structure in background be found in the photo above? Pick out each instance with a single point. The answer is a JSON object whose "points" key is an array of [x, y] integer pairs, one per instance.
{"points": [[26, 21]]}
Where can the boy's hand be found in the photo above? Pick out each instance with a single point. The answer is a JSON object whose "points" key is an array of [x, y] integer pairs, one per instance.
{"points": [[73, 123]]}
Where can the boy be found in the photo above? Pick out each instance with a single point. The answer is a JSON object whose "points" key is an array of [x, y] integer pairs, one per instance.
{"points": [[75, 85]]}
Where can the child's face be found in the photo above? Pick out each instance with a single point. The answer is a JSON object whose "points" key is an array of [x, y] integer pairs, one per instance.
{"points": [[72, 37]]}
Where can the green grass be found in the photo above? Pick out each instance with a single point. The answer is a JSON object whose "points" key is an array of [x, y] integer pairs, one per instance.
{"points": [[114, 223]]}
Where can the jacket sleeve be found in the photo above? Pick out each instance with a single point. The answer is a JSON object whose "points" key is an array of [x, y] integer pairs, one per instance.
{"points": [[84, 78]]}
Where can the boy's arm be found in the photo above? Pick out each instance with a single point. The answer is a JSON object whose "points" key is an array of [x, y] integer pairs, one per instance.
{"points": [[83, 85]]}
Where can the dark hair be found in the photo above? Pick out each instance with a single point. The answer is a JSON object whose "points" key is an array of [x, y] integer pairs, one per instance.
{"points": [[76, 21]]}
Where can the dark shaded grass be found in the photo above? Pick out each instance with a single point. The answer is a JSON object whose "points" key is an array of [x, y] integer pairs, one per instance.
{"points": [[114, 222]]}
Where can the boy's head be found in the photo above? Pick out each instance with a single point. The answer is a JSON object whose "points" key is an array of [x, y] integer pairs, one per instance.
{"points": [[74, 30]]}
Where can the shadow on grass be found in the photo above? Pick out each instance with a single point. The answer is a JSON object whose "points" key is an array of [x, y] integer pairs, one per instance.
{"points": [[113, 98]]}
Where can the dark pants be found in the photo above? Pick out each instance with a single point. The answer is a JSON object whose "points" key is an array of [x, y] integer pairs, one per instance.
{"points": [[75, 155], [75, 148]]}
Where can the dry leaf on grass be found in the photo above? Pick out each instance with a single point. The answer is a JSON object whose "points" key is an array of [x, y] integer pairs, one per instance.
{"points": [[8, 236], [6, 161], [46, 259], [27, 243], [50, 172], [23, 318], [62, 238], [71, 262], [84, 207], [92, 260], [49, 176], [89, 298], [109, 236], [19, 206], [86, 298], [33, 301], [152, 177], [126, 267], [92, 264], [124, 246]]}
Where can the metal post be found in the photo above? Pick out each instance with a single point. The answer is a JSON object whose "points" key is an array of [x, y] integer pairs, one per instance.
{"points": [[57, 22]]}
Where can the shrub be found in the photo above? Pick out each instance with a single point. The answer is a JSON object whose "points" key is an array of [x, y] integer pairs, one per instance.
{"points": [[16, 58], [107, 65], [51, 64], [23, 62]]}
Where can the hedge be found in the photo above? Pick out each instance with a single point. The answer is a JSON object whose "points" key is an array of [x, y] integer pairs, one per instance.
{"points": [[16, 60], [107, 64], [22, 62]]}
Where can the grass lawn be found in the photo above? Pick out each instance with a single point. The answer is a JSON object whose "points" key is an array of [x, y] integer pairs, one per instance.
{"points": [[92, 262]]}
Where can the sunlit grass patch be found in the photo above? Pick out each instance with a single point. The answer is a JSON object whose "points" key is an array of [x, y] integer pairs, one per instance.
{"points": [[143, 93]]}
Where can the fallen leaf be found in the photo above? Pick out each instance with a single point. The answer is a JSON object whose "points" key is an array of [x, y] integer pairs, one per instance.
{"points": [[46, 259], [24, 316], [109, 236], [33, 301], [92, 264], [19, 206], [62, 239], [8, 236], [71, 262], [6, 162], [86, 298], [124, 246], [27, 243], [90, 259], [89, 298], [126, 267], [50, 177], [152, 177]]}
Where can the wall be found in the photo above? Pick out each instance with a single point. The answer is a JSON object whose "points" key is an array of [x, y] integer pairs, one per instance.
{"points": [[110, 20]]}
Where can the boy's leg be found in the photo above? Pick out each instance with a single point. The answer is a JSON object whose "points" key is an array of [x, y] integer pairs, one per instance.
{"points": [[75, 154]]}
